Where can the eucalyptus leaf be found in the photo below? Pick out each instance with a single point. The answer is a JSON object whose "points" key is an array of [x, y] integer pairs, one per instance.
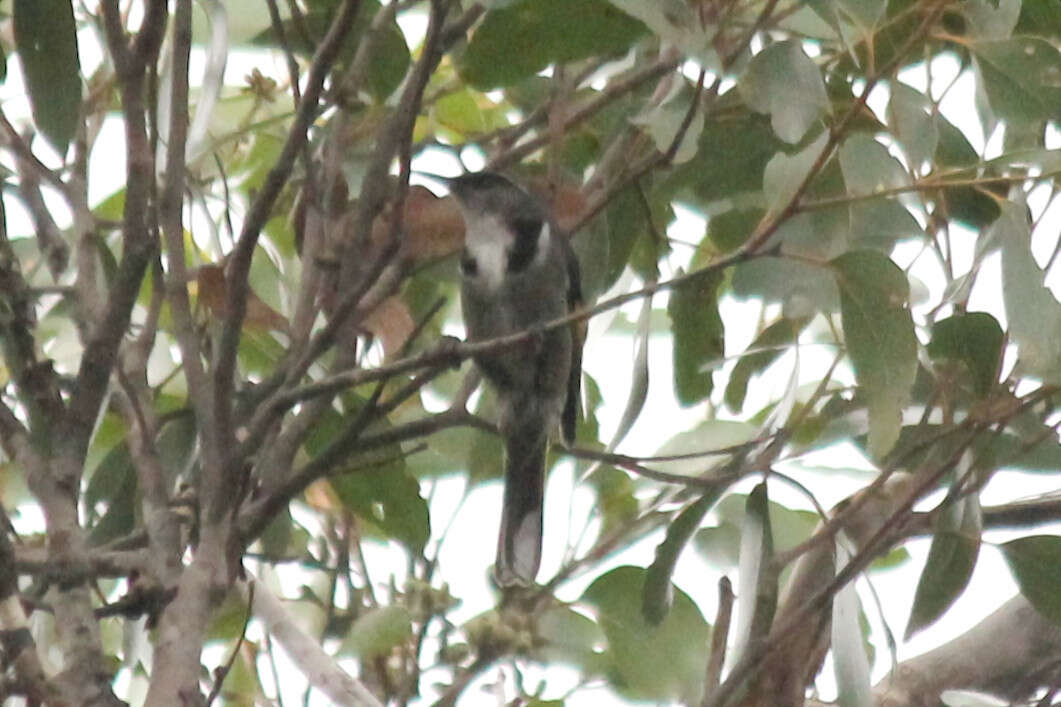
{"points": [[910, 113], [377, 631], [522, 38], [850, 663], [658, 593], [1033, 311], [698, 336], [649, 663], [784, 174], [950, 563], [879, 333], [46, 41], [975, 339], [757, 586], [1035, 561], [767, 347], [783, 82], [1019, 77]]}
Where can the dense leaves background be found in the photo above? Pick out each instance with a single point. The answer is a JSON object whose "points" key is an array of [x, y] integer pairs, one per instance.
{"points": [[235, 439]]}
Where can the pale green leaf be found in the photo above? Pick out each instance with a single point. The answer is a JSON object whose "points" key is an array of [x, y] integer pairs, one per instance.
{"points": [[646, 662], [377, 631], [879, 333], [850, 663], [784, 174], [910, 115], [783, 82], [1033, 312]]}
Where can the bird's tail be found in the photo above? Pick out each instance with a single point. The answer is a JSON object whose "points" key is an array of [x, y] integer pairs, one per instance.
{"points": [[519, 544]]}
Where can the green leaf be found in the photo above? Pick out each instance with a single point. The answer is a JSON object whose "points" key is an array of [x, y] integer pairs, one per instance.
{"points": [[377, 631], [975, 339], [391, 58], [879, 332], [566, 636], [1035, 561], [616, 501], [880, 223], [850, 662], [785, 173], [950, 563], [639, 376], [1039, 18], [802, 287], [663, 120], [1019, 77], [757, 578], [783, 81], [730, 229], [910, 114], [864, 13], [1033, 312], [626, 222], [1035, 452], [698, 336], [521, 39], [228, 619], [113, 485], [376, 485], [659, 592], [675, 22], [460, 111], [730, 159], [176, 443], [966, 203], [719, 545], [708, 435], [991, 19], [868, 167], [592, 252], [46, 41], [646, 662], [768, 346], [389, 498]]}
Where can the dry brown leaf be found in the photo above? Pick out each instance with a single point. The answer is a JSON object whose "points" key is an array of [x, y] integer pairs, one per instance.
{"points": [[432, 227], [213, 293], [392, 323], [565, 199]]}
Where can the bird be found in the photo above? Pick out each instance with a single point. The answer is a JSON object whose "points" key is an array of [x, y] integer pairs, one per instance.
{"points": [[518, 271]]}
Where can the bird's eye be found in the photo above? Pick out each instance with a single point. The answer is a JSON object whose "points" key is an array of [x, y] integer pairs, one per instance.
{"points": [[469, 265]]}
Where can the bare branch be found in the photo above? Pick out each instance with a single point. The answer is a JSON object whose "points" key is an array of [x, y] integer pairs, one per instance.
{"points": [[239, 265], [1010, 654]]}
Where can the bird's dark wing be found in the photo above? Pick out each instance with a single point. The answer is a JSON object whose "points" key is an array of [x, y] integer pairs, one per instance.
{"points": [[578, 338]]}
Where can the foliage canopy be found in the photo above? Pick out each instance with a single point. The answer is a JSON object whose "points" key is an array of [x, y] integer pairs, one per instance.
{"points": [[225, 378]]}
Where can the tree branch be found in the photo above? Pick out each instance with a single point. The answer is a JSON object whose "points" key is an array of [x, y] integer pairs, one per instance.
{"points": [[1010, 654], [224, 365]]}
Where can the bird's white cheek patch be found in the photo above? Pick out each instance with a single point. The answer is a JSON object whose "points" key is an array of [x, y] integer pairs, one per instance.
{"points": [[543, 245], [488, 242], [491, 262]]}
